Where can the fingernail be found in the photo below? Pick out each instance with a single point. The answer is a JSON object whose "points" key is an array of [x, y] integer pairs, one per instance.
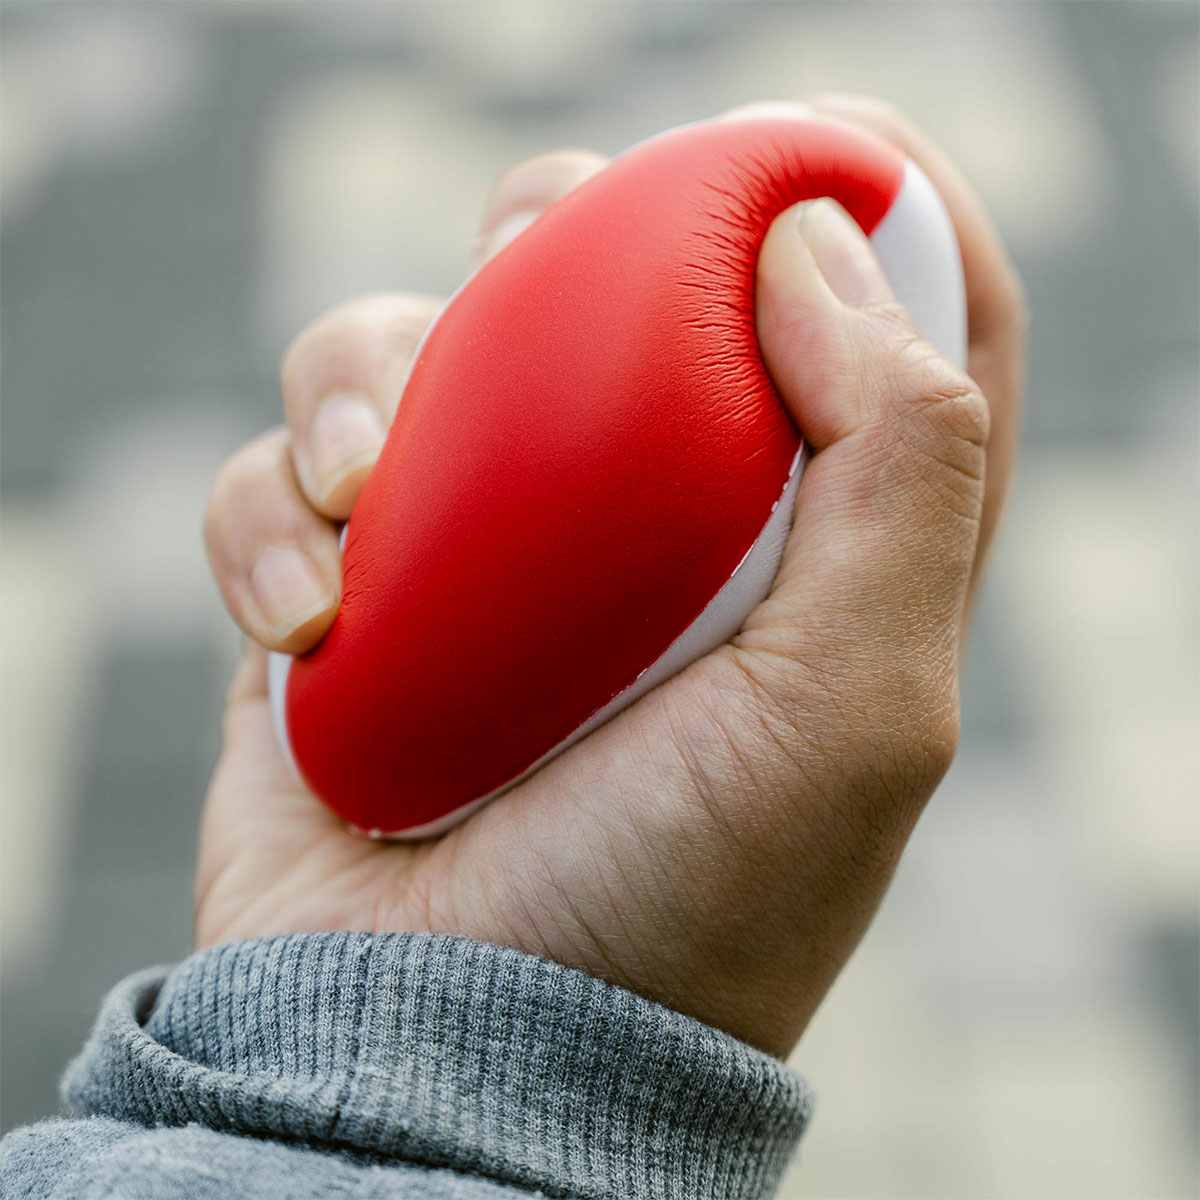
{"points": [[843, 253], [289, 589], [506, 231], [346, 434]]}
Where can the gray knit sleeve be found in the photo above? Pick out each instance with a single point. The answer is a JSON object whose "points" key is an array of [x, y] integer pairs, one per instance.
{"points": [[336, 1064]]}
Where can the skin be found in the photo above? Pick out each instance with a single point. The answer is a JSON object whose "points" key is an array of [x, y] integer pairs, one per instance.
{"points": [[744, 819]]}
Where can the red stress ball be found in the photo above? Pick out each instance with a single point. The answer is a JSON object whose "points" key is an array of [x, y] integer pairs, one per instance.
{"points": [[590, 477]]}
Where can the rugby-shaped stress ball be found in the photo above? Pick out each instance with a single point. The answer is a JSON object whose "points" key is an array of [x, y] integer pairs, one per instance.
{"points": [[590, 477]]}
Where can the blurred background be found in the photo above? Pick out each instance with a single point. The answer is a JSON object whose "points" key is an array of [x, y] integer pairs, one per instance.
{"points": [[185, 185]]}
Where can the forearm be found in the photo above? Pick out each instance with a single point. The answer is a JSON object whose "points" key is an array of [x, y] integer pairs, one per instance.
{"points": [[350, 1063]]}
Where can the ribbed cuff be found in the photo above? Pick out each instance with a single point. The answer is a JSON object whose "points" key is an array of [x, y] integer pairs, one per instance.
{"points": [[445, 1052]]}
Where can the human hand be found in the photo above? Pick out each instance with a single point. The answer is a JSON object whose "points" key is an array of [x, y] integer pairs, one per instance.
{"points": [[721, 845]]}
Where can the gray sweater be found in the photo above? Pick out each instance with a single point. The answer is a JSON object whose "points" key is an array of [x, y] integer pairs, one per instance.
{"points": [[403, 1065]]}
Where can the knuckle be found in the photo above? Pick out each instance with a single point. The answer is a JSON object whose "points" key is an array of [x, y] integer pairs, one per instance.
{"points": [[210, 523], [221, 496], [538, 181], [325, 346], [958, 407], [914, 746], [935, 729], [518, 174], [409, 318], [940, 744], [293, 364], [569, 158], [240, 475], [939, 414], [354, 340], [919, 380]]}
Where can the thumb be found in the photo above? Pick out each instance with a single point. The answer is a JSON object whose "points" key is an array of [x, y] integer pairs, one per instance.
{"points": [[888, 512]]}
